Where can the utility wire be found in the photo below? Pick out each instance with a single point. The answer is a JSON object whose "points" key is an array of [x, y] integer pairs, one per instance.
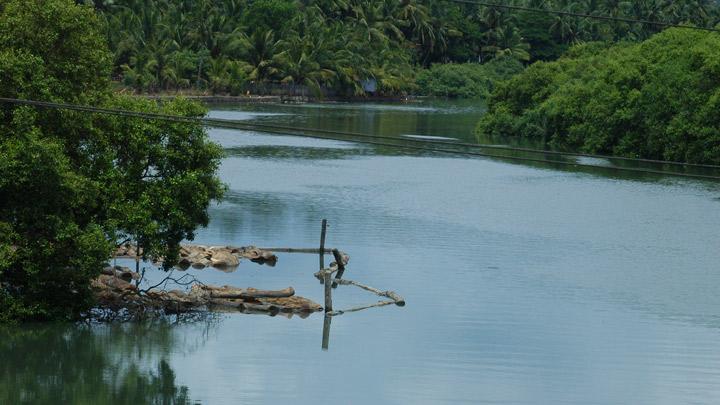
{"points": [[255, 125], [338, 136], [484, 146], [583, 15]]}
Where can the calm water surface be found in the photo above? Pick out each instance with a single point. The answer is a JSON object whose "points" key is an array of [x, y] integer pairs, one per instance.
{"points": [[525, 284]]}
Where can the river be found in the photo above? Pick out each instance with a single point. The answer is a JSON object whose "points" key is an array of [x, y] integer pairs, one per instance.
{"points": [[525, 283]]}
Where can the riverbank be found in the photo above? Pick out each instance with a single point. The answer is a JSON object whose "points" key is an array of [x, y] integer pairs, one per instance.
{"points": [[256, 99]]}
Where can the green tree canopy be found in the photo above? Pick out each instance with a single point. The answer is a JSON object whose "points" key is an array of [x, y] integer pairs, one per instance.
{"points": [[222, 45], [75, 184], [657, 99]]}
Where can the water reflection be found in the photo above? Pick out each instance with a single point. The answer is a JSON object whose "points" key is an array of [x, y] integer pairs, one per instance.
{"points": [[530, 284], [92, 364], [437, 120]]}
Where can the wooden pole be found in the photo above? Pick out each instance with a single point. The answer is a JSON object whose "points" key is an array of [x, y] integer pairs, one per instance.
{"points": [[137, 257], [326, 332], [399, 301], [321, 251], [328, 290], [245, 293]]}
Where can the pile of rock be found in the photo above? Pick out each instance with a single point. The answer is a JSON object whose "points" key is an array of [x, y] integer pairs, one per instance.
{"points": [[200, 256], [115, 291]]}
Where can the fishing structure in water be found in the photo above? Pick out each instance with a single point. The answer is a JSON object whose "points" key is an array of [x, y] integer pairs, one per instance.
{"points": [[120, 296]]}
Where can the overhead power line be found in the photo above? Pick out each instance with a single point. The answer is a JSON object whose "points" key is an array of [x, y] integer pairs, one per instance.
{"points": [[332, 135], [583, 15], [485, 146], [257, 125]]}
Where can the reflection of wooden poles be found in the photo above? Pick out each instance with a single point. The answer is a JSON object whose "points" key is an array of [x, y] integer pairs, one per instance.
{"points": [[360, 308], [397, 300], [326, 332], [296, 250]]}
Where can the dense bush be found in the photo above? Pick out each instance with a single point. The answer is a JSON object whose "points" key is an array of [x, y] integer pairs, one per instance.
{"points": [[467, 80], [73, 184], [657, 99]]}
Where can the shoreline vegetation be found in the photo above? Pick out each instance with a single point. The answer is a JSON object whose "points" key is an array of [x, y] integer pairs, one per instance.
{"points": [[76, 186], [657, 99], [330, 48]]}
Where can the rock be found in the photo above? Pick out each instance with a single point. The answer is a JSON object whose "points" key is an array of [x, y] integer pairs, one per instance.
{"points": [[113, 283], [223, 258], [201, 263], [258, 255], [184, 262], [123, 273]]}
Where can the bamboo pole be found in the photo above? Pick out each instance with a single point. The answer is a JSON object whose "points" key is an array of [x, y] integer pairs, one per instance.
{"points": [[399, 301], [326, 332], [328, 291], [321, 251]]}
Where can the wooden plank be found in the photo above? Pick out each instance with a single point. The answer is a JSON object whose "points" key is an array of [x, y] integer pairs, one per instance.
{"points": [[235, 293]]}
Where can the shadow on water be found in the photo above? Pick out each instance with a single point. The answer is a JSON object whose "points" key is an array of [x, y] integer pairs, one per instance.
{"points": [[92, 364], [306, 153]]}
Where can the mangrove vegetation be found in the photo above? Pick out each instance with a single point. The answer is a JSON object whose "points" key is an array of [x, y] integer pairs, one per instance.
{"points": [[75, 185], [658, 99]]}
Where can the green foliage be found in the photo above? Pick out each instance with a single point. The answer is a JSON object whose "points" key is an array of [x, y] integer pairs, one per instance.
{"points": [[228, 46], [657, 99], [265, 15], [55, 250], [76, 184], [76, 61], [225, 46], [468, 80]]}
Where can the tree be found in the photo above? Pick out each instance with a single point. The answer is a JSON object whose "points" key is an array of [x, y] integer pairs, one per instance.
{"points": [[657, 99], [75, 184]]}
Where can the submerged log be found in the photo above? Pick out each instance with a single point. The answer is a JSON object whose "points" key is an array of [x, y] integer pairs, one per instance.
{"points": [[228, 292], [294, 304], [117, 294]]}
